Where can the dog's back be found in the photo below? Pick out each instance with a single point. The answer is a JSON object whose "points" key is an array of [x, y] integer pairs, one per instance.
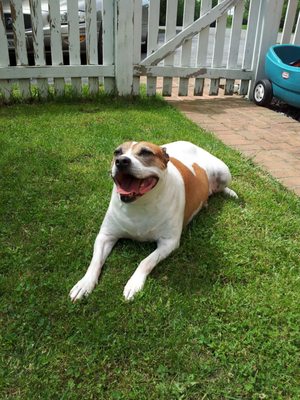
{"points": [[218, 173]]}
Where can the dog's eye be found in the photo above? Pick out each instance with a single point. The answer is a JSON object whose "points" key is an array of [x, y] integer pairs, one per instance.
{"points": [[118, 152], [145, 152]]}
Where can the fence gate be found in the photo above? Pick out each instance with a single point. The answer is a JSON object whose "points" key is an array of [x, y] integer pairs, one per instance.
{"points": [[212, 47], [195, 62]]}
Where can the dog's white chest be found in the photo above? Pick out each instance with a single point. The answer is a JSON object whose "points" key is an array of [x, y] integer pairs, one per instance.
{"points": [[143, 224]]}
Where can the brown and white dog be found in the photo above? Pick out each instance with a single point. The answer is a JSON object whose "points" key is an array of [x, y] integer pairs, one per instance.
{"points": [[157, 191]]}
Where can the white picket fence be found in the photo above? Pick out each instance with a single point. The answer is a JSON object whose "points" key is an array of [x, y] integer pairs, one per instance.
{"points": [[196, 52]]}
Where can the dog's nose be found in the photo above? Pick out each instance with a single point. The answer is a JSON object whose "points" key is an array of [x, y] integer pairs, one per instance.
{"points": [[123, 162]]}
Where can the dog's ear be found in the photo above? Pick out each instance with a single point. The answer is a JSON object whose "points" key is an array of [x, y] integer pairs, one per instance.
{"points": [[166, 155]]}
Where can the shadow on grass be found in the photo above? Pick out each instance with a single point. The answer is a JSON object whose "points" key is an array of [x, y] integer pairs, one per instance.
{"points": [[194, 268], [88, 105], [198, 263]]}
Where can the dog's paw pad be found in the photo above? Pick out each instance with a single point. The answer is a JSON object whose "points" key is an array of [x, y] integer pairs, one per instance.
{"points": [[134, 285], [82, 289]]}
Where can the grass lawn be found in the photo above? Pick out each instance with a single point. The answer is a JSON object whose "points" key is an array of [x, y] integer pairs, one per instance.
{"points": [[218, 319]]}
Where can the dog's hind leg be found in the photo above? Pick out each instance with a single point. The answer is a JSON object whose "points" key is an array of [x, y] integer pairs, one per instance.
{"points": [[220, 182], [230, 193]]}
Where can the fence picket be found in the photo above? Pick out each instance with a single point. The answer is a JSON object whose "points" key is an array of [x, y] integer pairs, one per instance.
{"points": [[91, 42], [234, 45], [74, 44], [171, 16], [296, 39], [153, 25], [124, 47], [137, 34], [38, 43], [289, 21], [108, 42], [270, 15], [188, 18], [218, 51], [252, 27], [5, 86], [20, 44], [202, 48], [56, 45]]}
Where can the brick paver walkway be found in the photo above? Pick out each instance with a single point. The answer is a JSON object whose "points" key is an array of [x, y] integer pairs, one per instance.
{"points": [[270, 139]]}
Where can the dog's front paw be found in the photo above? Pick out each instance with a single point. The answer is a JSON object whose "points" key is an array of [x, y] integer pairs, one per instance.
{"points": [[134, 285], [82, 288]]}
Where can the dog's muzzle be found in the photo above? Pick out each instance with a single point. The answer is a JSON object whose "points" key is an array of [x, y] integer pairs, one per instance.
{"points": [[129, 186]]}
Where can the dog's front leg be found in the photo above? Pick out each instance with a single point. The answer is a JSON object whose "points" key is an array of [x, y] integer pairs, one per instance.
{"points": [[102, 247], [137, 281]]}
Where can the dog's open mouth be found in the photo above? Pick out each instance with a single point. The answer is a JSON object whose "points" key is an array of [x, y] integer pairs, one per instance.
{"points": [[130, 187]]}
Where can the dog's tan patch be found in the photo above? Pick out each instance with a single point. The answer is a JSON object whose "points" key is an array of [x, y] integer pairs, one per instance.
{"points": [[196, 188], [151, 155]]}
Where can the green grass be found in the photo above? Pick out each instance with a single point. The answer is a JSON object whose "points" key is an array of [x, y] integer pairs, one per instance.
{"points": [[218, 319]]}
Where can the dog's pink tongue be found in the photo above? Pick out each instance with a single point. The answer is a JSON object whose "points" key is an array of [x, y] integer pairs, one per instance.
{"points": [[147, 184], [133, 186], [129, 185]]}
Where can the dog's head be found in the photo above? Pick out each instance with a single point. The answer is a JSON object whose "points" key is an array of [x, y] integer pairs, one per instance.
{"points": [[137, 168]]}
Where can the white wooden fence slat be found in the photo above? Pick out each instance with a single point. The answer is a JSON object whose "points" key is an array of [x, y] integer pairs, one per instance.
{"points": [[153, 25], [38, 43], [289, 21], [91, 42], [171, 16], [257, 41], [296, 39], [20, 43], [55, 33], [4, 57], [6, 89], [235, 35], [108, 41], [74, 44], [124, 47], [270, 19], [188, 18], [234, 44], [189, 32], [19, 32], [5, 86], [91, 32], [37, 31], [192, 72], [202, 48], [218, 50], [51, 71], [137, 34], [56, 45], [252, 27]]}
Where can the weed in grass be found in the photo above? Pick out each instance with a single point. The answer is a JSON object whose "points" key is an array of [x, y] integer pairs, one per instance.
{"points": [[218, 319]]}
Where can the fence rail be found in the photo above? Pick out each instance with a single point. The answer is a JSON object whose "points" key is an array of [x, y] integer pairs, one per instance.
{"points": [[212, 47]]}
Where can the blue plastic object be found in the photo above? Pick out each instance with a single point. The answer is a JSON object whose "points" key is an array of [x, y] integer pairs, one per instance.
{"points": [[284, 76]]}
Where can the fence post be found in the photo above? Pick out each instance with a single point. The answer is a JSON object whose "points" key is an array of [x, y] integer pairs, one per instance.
{"points": [[269, 20], [124, 29]]}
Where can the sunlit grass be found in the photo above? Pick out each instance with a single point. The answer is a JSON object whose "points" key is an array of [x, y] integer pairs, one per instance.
{"points": [[218, 319]]}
